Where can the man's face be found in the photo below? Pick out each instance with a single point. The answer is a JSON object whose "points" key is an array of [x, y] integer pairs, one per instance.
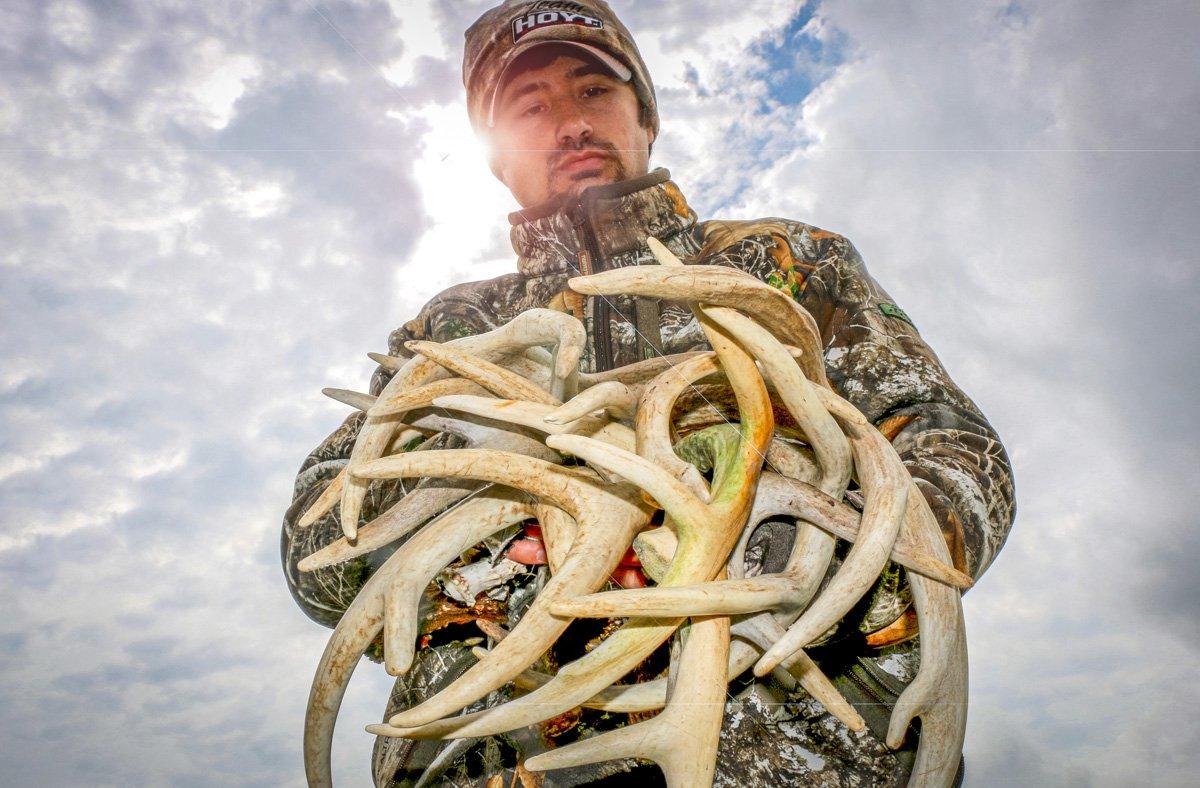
{"points": [[564, 126]]}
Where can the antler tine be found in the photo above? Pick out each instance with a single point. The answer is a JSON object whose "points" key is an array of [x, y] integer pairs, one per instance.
{"points": [[884, 481], [524, 338], [938, 695], [611, 397], [427, 499], [333, 491], [325, 501], [376, 434], [390, 363], [363, 620], [355, 399], [391, 404], [558, 534], [654, 419], [409, 513], [798, 394], [492, 377], [402, 393], [538, 477], [546, 327], [533, 416], [638, 372], [764, 629], [682, 739], [534, 364]]}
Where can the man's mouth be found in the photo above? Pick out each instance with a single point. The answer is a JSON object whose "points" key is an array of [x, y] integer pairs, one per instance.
{"points": [[581, 161]]}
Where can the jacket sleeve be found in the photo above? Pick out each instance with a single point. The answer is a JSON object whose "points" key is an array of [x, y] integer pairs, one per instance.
{"points": [[878, 361], [325, 594]]}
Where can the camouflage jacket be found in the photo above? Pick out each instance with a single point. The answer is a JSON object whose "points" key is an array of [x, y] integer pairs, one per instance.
{"points": [[874, 357]]}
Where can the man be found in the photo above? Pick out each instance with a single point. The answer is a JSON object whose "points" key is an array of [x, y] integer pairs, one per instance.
{"points": [[561, 95]]}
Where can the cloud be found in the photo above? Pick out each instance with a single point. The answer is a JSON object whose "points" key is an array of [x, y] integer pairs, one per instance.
{"points": [[196, 201], [212, 211], [1013, 183]]}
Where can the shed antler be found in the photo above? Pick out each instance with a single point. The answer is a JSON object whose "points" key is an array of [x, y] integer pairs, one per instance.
{"points": [[652, 437]]}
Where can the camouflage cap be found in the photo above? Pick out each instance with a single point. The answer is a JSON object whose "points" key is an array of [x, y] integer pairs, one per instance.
{"points": [[502, 34]]}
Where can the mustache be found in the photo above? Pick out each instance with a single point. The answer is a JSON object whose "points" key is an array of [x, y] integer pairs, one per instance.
{"points": [[601, 146]]}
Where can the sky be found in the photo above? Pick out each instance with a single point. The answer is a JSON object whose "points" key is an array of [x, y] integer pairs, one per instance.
{"points": [[212, 210]]}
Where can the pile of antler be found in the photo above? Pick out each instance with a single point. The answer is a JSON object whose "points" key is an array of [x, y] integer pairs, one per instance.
{"points": [[733, 469]]}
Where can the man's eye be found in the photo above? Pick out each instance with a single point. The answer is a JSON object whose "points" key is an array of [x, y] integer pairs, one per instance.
{"points": [[531, 110], [595, 90]]}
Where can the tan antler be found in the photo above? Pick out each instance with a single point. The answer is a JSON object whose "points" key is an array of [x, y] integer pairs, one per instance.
{"points": [[682, 739], [533, 415], [713, 490], [707, 532], [938, 695], [608, 517], [363, 620], [718, 286], [430, 550], [533, 328], [428, 498], [612, 397], [884, 482]]}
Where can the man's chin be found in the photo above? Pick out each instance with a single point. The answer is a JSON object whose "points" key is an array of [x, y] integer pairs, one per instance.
{"points": [[574, 186]]}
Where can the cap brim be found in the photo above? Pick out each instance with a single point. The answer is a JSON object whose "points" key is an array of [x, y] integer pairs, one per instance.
{"points": [[618, 69]]}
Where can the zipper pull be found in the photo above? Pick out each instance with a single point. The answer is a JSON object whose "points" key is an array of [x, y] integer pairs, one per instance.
{"points": [[579, 222]]}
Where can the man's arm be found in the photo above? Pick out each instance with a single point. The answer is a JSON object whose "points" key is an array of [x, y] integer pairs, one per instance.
{"points": [[324, 594], [878, 361]]}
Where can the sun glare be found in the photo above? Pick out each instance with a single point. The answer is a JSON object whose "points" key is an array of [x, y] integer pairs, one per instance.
{"points": [[465, 205]]}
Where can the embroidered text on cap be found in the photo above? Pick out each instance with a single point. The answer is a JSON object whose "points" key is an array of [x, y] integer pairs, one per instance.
{"points": [[527, 23]]}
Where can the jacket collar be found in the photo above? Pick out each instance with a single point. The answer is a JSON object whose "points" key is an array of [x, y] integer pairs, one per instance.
{"points": [[618, 216]]}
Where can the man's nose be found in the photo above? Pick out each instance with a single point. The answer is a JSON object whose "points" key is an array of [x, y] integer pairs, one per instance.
{"points": [[573, 125]]}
